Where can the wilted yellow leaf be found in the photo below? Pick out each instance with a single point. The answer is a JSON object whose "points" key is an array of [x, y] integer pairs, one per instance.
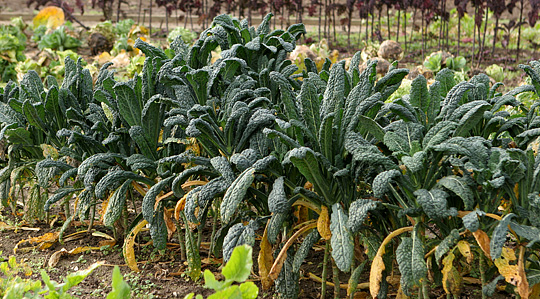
{"points": [[49, 151], [375, 275], [180, 205], [104, 206], [523, 284], [266, 260], [302, 214], [50, 16], [139, 188], [43, 242], [171, 227], [483, 241], [129, 252], [465, 250], [104, 57], [510, 272], [513, 274], [377, 266], [452, 280], [278, 263], [323, 224]]}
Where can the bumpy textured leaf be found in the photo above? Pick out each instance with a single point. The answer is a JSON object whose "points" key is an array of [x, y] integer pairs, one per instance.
{"points": [[237, 235], [530, 233], [534, 209], [381, 182], [59, 194], [114, 178], [416, 162], [277, 200], [448, 243], [419, 96], [434, 203], [310, 105], [304, 248], [235, 194], [459, 186], [470, 221], [305, 160], [287, 285], [223, 167], [96, 160], [410, 258], [342, 241], [334, 95], [147, 147], [274, 226], [129, 106], [498, 238], [358, 212], [116, 204]]}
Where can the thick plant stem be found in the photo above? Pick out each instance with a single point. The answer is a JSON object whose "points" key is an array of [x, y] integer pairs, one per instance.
{"points": [[482, 266], [214, 225], [335, 276], [324, 270], [93, 215], [66, 208], [181, 241], [425, 291]]}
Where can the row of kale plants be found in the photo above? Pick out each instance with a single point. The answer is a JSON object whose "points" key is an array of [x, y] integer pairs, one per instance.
{"points": [[438, 180]]}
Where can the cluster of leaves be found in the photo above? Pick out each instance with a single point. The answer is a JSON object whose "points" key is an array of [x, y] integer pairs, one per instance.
{"points": [[13, 286], [12, 46], [237, 269], [57, 39], [319, 154]]}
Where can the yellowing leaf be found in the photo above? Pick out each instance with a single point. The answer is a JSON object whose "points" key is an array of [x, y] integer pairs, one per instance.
{"points": [[49, 151], [50, 16], [483, 241], [452, 280], [510, 272], [375, 275], [129, 252], [43, 242], [139, 188], [377, 266], [104, 206], [104, 57], [465, 250], [278, 263], [323, 224], [523, 284], [171, 227], [180, 205], [266, 259]]}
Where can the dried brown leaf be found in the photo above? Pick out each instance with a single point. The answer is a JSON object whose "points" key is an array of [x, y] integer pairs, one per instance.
{"points": [[266, 260]]}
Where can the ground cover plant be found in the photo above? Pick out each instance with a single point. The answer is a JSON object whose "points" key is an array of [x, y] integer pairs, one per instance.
{"points": [[253, 150]]}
